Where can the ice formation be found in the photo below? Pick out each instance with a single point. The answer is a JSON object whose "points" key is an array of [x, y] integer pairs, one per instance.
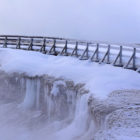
{"points": [[48, 108]]}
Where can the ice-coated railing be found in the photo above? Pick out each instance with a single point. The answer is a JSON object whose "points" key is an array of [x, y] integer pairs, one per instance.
{"points": [[122, 55]]}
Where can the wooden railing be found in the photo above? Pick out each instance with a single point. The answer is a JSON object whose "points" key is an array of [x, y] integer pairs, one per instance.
{"points": [[126, 56]]}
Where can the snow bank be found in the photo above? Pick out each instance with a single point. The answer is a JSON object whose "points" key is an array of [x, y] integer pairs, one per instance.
{"points": [[100, 79]]}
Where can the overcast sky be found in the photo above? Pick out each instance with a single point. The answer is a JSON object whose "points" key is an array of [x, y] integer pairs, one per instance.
{"points": [[104, 20]]}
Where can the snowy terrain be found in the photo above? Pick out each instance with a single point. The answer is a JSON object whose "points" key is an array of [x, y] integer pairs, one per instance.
{"points": [[71, 99], [94, 75]]}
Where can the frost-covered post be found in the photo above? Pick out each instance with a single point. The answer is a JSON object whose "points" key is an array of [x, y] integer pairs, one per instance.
{"points": [[5, 42], [108, 55], [18, 43], [52, 50], [66, 47], [43, 48], [31, 44], [85, 54], [120, 56], [64, 50], [97, 53], [134, 58], [75, 51]]}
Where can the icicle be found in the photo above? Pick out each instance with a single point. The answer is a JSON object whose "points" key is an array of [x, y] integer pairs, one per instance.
{"points": [[37, 94], [32, 94]]}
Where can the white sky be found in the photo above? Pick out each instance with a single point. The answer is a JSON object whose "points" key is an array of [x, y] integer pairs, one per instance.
{"points": [[105, 20]]}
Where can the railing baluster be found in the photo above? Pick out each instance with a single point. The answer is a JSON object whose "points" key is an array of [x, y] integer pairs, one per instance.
{"points": [[96, 53], [52, 51], [64, 50], [85, 55], [132, 58], [43, 48], [18, 43], [31, 44], [119, 56], [75, 51], [5, 42], [106, 55]]}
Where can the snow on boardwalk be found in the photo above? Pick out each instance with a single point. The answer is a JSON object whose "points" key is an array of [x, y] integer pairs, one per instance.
{"points": [[99, 79], [122, 55]]}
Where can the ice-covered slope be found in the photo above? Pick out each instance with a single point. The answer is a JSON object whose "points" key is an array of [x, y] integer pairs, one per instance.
{"points": [[99, 79]]}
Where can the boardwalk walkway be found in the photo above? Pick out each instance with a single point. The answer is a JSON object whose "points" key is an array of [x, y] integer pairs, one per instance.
{"points": [[125, 56]]}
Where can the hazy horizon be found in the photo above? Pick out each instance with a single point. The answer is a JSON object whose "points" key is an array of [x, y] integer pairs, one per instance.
{"points": [[103, 20]]}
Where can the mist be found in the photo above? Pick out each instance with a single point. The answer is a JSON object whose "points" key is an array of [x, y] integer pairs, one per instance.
{"points": [[100, 20]]}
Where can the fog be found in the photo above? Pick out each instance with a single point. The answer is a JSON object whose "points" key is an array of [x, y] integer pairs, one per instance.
{"points": [[103, 20]]}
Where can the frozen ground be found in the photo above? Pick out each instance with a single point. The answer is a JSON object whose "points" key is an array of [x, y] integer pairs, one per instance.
{"points": [[117, 117], [106, 108]]}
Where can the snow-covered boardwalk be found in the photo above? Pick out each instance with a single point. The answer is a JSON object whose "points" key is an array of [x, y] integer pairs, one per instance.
{"points": [[126, 56]]}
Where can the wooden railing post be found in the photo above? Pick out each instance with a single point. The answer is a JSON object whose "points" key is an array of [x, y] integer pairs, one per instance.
{"points": [[43, 48], [134, 58], [18, 43], [66, 47], [85, 55], [5, 43], [64, 50], [54, 46], [120, 63], [31, 44], [108, 55], [87, 49], [119, 56], [95, 54], [75, 51], [52, 50]]}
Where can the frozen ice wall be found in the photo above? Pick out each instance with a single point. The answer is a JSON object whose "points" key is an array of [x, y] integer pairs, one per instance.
{"points": [[40, 108], [49, 108]]}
